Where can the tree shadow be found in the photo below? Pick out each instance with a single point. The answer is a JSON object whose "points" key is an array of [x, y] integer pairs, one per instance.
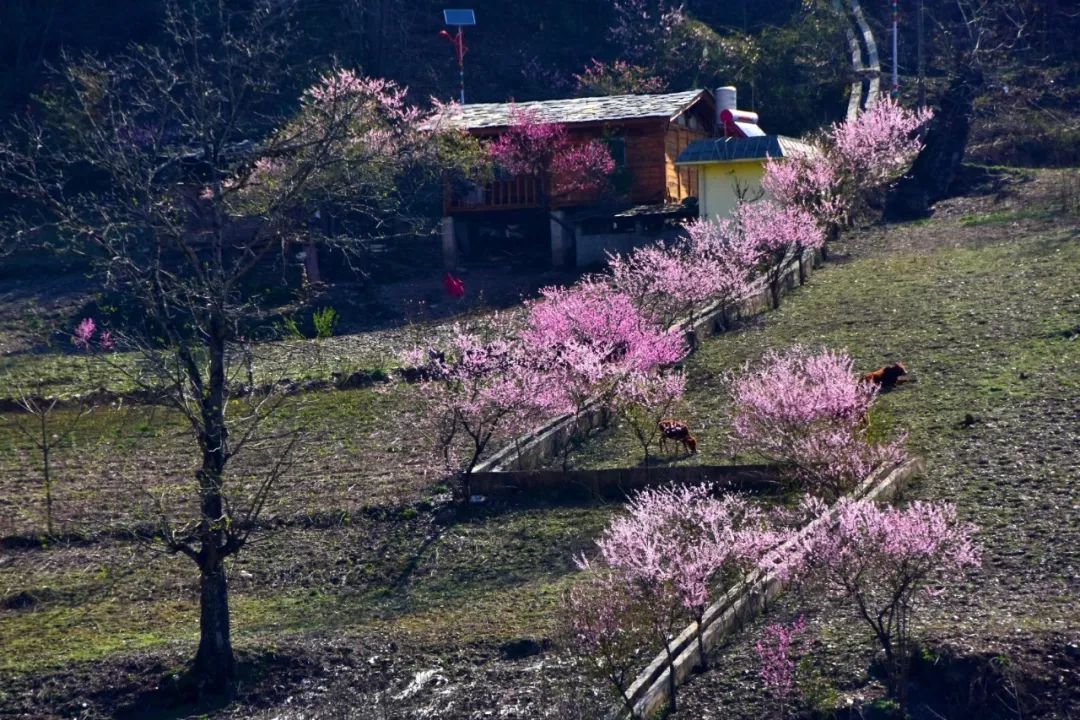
{"points": [[264, 679]]}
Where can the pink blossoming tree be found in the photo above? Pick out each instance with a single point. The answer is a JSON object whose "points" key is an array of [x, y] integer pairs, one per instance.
{"points": [[671, 282], [478, 390], [605, 615], [561, 166], [811, 412], [778, 653], [676, 545], [850, 165], [878, 146], [589, 340], [882, 562], [811, 182], [777, 232]]}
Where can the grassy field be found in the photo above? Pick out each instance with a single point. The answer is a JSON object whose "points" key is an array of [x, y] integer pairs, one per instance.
{"points": [[491, 578], [1000, 311], [982, 304], [356, 451]]}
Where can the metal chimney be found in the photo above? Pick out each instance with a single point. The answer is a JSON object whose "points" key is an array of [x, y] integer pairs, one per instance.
{"points": [[725, 100]]}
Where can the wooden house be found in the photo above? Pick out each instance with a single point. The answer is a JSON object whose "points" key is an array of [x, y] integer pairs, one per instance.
{"points": [[645, 133]]}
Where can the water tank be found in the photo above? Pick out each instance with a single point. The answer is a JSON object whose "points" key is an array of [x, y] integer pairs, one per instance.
{"points": [[725, 98]]}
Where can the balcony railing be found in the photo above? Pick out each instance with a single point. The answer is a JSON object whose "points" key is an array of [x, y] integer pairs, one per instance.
{"points": [[518, 192]]}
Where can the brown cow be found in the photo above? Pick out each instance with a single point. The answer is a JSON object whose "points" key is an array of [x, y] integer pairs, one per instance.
{"points": [[678, 431], [887, 377]]}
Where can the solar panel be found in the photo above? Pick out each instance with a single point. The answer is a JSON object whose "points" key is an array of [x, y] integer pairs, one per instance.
{"points": [[459, 17]]}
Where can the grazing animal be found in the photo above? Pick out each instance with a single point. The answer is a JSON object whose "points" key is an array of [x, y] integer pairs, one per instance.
{"points": [[887, 377], [678, 431]]}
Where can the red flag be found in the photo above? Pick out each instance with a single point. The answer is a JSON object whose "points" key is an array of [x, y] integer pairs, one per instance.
{"points": [[455, 287]]}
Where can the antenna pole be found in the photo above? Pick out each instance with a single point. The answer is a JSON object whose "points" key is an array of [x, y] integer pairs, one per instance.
{"points": [[895, 24], [461, 60], [922, 64]]}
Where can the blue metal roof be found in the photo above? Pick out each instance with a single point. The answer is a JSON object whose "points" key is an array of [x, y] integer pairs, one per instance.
{"points": [[714, 150]]}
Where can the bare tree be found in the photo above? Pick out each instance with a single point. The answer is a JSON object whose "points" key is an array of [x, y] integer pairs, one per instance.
{"points": [[47, 431], [181, 171]]}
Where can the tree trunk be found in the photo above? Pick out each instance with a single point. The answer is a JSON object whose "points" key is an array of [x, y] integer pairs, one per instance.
{"points": [[672, 682], [945, 142], [48, 485], [702, 655], [214, 663]]}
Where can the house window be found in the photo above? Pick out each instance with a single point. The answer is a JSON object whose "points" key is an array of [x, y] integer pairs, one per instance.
{"points": [[617, 147]]}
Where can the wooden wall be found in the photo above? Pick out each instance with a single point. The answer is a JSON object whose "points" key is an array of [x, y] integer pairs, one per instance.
{"points": [[644, 158], [652, 146], [680, 182]]}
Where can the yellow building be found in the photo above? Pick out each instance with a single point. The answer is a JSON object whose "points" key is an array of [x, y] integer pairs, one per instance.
{"points": [[730, 168]]}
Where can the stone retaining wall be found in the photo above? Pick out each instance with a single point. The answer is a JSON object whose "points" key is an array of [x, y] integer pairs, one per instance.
{"points": [[620, 481]]}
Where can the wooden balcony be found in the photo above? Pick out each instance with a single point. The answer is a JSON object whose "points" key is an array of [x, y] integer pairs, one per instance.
{"points": [[517, 193]]}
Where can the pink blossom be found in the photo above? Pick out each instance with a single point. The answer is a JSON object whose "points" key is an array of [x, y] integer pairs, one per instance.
{"points": [[545, 151], [879, 144], [344, 83], [650, 390], [777, 233], [84, 333], [810, 182], [607, 626], [587, 338], [857, 158], [581, 168], [879, 561], [809, 410], [668, 282], [683, 539], [479, 388], [778, 651], [774, 229]]}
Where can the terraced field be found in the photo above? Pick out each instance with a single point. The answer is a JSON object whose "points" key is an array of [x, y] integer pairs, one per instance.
{"points": [[399, 610]]}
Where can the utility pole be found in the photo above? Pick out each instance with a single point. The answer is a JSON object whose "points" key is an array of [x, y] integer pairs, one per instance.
{"points": [[895, 30], [459, 19], [919, 51]]}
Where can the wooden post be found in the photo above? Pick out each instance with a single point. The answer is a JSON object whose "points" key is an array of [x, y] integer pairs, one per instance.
{"points": [[560, 241], [449, 243]]}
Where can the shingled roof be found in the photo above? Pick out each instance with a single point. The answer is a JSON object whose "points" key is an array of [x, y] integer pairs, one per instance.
{"points": [[749, 148], [576, 110]]}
